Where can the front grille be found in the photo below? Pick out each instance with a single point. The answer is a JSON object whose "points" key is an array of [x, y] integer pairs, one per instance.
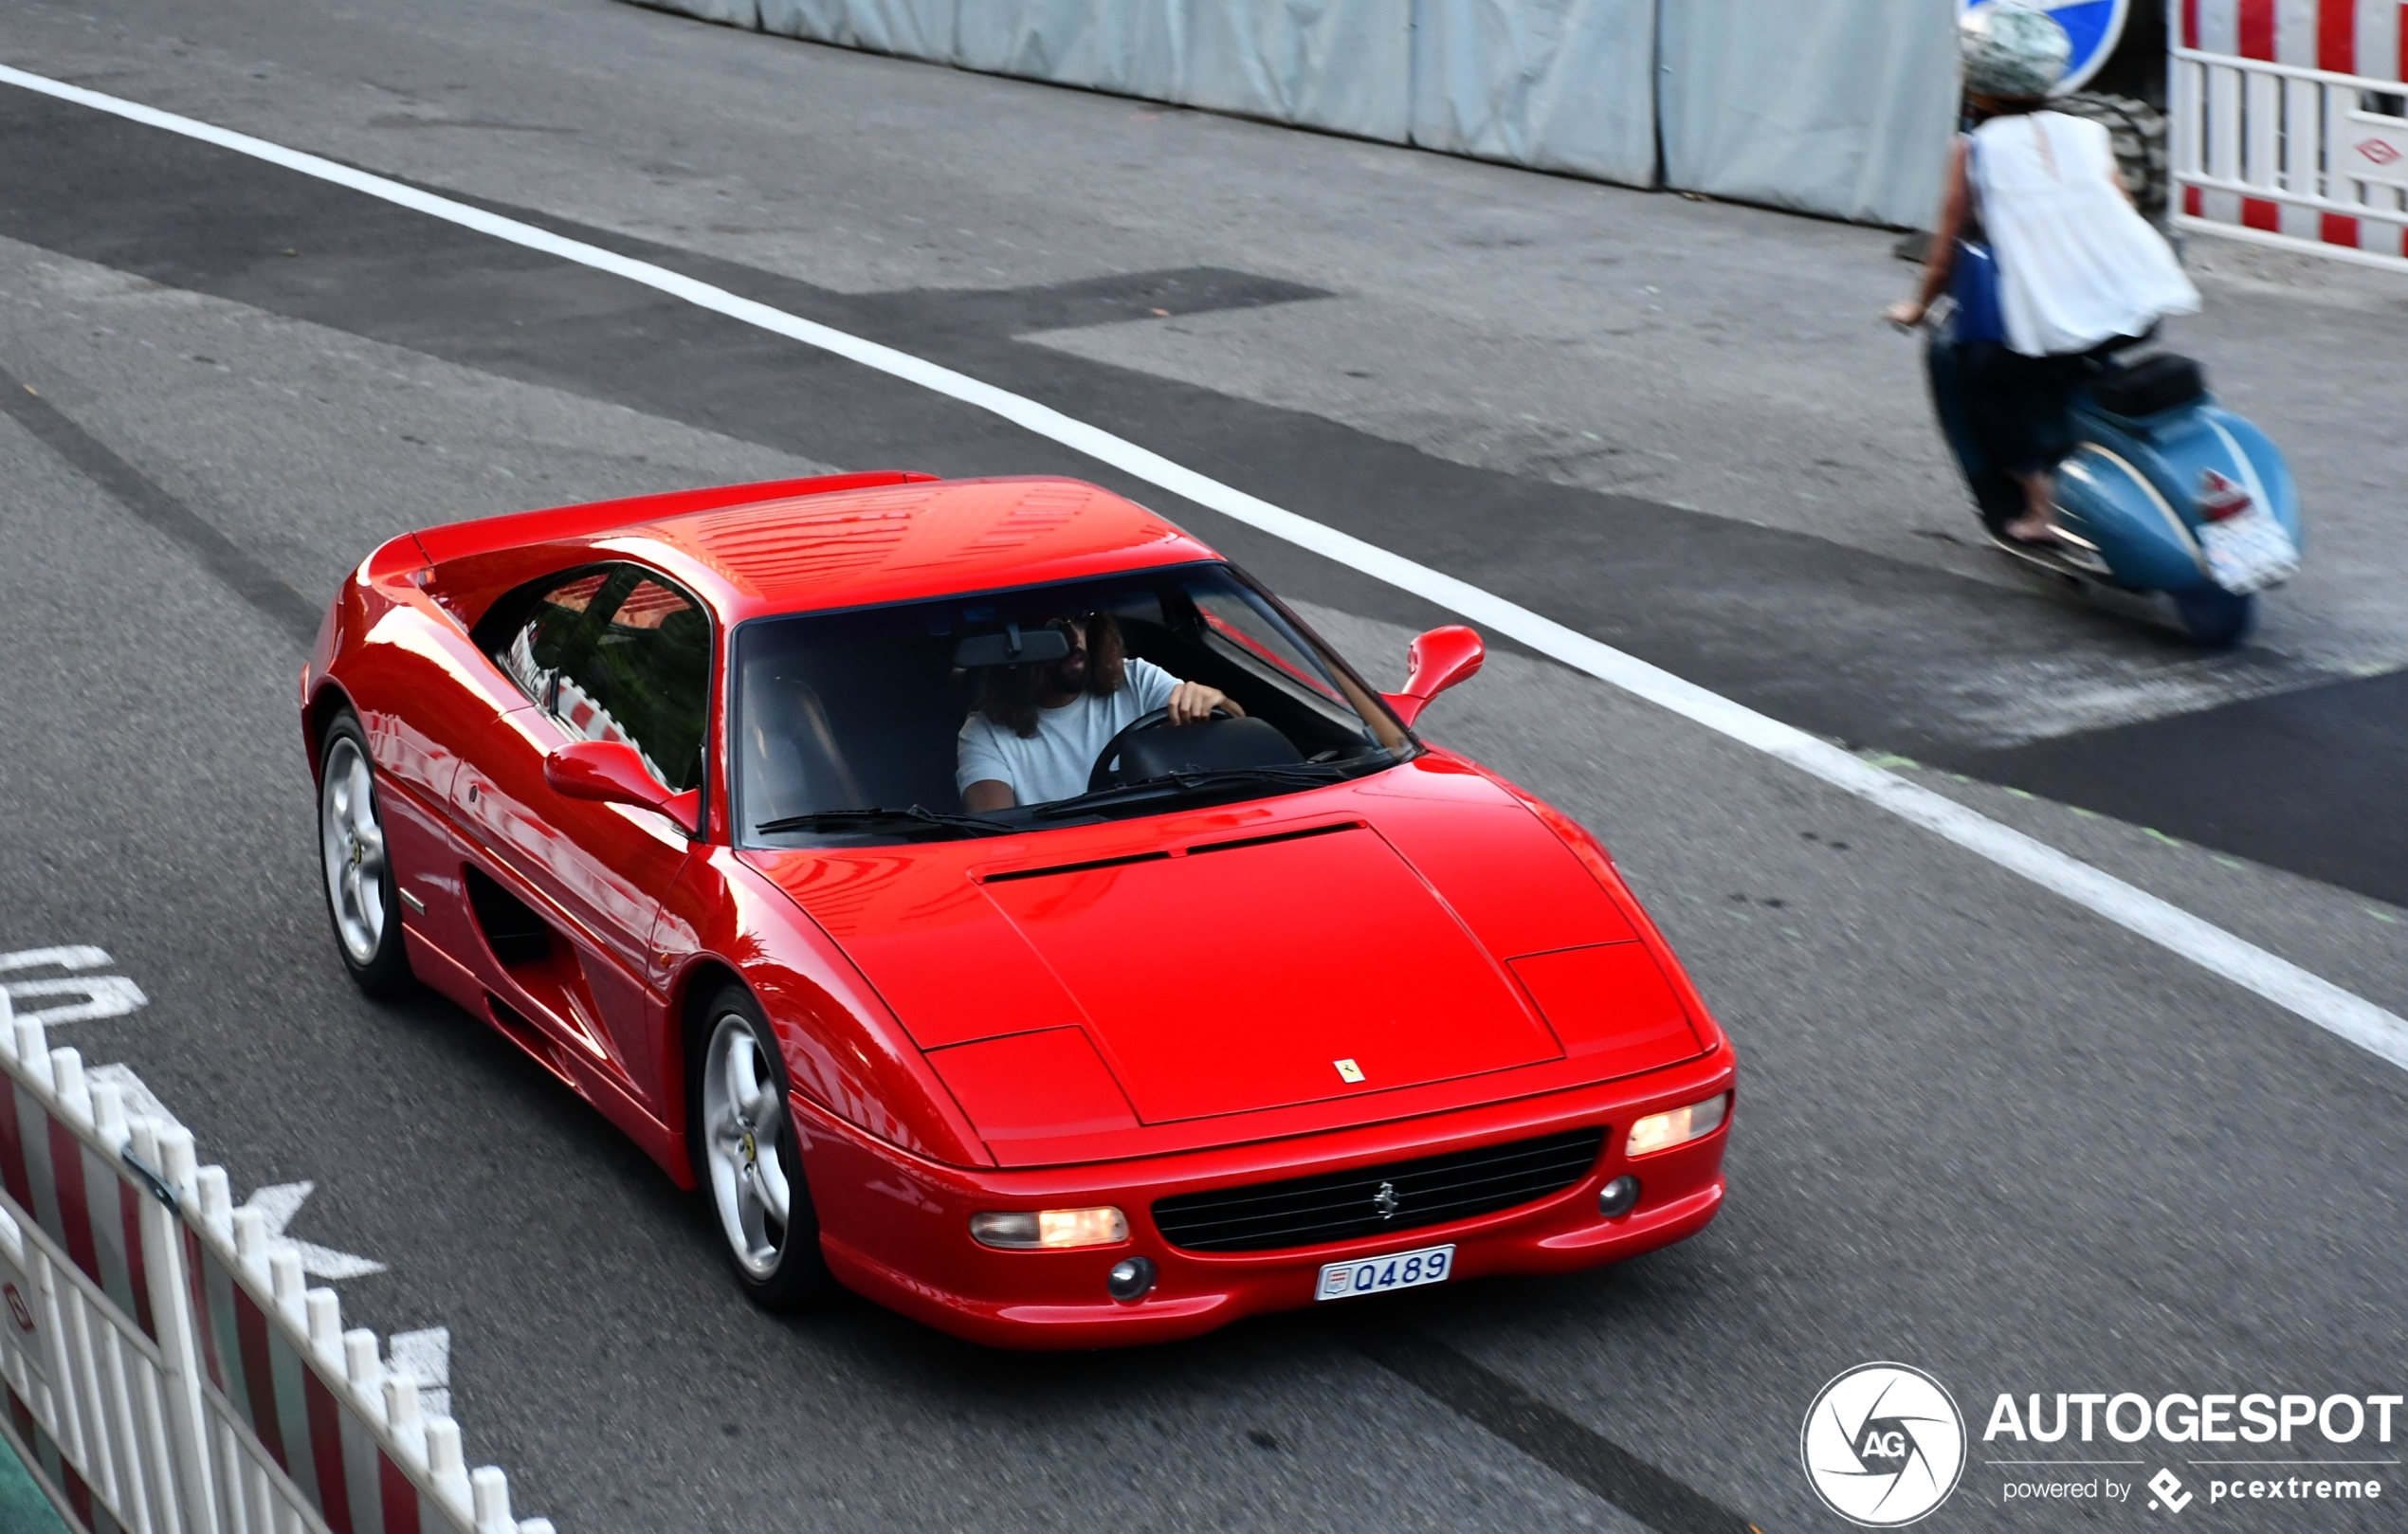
{"points": [[1340, 1206]]}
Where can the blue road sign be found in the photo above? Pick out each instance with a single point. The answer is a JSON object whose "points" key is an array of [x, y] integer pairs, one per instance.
{"points": [[2095, 26]]}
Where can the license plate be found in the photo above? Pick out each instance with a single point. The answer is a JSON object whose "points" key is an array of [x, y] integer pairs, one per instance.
{"points": [[2248, 553], [1376, 1275]]}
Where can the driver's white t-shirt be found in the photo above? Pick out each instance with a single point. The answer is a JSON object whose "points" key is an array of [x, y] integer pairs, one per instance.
{"points": [[1055, 763]]}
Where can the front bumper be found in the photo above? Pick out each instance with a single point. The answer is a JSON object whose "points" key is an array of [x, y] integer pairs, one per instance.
{"points": [[896, 1229]]}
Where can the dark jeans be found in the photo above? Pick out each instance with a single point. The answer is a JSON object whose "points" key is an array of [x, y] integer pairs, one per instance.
{"points": [[2019, 407]]}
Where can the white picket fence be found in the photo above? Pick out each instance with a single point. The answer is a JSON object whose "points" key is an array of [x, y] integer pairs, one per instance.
{"points": [[2267, 146], [166, 1369]]}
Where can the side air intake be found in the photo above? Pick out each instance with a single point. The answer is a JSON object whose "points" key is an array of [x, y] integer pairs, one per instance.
{"points": [[513, 932]]}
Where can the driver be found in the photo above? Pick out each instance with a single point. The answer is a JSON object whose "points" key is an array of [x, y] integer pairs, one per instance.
{"points": [[1037, 729]]}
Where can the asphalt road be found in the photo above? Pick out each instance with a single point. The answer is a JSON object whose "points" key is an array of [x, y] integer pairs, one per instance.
{"points": [[1980, 1131]]}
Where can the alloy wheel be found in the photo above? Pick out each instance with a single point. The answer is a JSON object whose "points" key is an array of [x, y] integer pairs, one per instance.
{"points": [[353, 844], [745, 1125]]}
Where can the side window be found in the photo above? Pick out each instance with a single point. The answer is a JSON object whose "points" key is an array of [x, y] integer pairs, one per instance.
{"points": [[532, 652], [1244, 634], [640, 675]]}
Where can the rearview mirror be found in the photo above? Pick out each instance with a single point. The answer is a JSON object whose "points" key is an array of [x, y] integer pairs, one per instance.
{"points": [[1015, 646], [1438, 661], [610, 772]]}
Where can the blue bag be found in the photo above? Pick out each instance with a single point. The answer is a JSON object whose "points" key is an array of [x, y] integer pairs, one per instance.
{"points": [[1973, 282], [1973, 278]]}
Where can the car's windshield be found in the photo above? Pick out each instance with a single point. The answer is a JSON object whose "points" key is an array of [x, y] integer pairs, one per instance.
{"points": [[1037, 707]]}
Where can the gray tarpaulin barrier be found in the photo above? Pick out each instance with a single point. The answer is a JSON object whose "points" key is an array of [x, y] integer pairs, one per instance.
{"points": [[1840, 107], [1831, 106], [1557, 85], [1132, 46], [732, 13], [1345, 66], [914, 29]]}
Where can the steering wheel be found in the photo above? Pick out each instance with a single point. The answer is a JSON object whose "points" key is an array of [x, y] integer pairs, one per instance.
{"points": [[1100, 775]]}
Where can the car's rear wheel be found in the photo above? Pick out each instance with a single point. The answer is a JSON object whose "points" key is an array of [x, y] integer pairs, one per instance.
{"points": [[752, 1168], [360, 895]]}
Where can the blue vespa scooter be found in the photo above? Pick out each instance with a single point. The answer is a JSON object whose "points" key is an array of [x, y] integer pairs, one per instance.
{"points": [[2168, 491]]}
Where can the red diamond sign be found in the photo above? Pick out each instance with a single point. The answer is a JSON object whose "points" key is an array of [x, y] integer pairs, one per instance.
{"points": [[2382, 151]]}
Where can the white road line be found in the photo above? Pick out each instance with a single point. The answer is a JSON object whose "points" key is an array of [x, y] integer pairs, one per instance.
{"points": [[103, 995], [2244, 964], [426, 1357], [76, 956], [277, 1204]]}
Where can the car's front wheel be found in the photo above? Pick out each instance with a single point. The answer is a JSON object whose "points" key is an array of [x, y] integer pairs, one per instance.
{"points": [[751, 1165], [359, 877]]}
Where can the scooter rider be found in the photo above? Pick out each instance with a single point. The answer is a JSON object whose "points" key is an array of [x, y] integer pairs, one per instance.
{"points": [[2042, 248]]}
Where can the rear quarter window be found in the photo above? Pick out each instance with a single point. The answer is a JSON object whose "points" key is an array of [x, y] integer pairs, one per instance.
{"points": [[530, 650]]}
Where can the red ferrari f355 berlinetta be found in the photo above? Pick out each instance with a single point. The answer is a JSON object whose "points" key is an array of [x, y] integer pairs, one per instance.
{"points": [[1001, 906]]}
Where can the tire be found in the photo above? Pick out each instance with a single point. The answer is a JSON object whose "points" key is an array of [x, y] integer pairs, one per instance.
{"points": [[748, 1160], [361, 899], [2216, 618]]}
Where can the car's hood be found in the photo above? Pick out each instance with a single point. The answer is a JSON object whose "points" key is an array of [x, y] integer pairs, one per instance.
{"points": [[1308, 965], [1228, 962]]}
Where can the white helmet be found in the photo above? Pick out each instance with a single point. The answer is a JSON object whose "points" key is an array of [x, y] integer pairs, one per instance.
{"points": [[2012, 51]]}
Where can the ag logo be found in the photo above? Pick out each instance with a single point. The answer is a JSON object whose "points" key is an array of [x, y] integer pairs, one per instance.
{"points": [[1883, 1445], [18, 1310]]}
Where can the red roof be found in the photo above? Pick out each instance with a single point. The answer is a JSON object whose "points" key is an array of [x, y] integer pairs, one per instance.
{"points": [[902, 541], [840, 541]]}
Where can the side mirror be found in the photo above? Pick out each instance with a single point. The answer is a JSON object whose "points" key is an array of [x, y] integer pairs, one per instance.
{"points": [[1438, 660], [610, 772]]}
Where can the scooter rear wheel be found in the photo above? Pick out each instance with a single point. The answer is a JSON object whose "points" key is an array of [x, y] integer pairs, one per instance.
{"points": [[2216, 618]]}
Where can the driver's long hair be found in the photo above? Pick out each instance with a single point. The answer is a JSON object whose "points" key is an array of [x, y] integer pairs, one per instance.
{"points": [[1008, 695]]}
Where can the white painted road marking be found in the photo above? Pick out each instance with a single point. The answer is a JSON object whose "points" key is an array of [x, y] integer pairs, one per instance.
{"points": [[140, 1102], [2244, 964], [103, 995], [426, 1357], [113, 996], [277, 1204], [73, 955]]}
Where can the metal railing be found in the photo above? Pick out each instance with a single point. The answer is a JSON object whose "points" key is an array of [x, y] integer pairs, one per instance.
{"points": [[2282, 154], [166, 1370]]}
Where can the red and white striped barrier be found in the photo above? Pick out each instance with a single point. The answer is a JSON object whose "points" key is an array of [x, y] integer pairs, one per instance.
{"points": [[166, 1371], [2290, 124]]}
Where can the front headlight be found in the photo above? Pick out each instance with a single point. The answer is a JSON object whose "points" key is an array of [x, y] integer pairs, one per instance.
{"points": [[1662, 1131], [1031, 1230]]}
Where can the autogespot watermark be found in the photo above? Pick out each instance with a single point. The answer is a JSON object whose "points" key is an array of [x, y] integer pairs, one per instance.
{"points": [[2310, 1471], [1883, 1446]]}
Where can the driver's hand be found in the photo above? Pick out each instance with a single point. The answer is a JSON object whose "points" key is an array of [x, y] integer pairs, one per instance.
{"points": [[1193, 701]]}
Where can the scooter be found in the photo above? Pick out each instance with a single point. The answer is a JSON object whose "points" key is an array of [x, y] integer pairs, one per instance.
{"points": [[2167, 492]]}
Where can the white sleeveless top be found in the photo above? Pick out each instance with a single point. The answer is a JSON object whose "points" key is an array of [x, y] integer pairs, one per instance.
{"points": [[2076, 264]]}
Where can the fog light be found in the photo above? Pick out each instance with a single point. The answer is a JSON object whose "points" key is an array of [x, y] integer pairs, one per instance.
{"points": [[1028, 1230], [1130, 1280], [1617, 1197], [1662, 1131]]}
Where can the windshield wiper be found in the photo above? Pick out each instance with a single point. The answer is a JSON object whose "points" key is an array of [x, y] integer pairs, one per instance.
{"points": [[878, 815], [1177, 785]]}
